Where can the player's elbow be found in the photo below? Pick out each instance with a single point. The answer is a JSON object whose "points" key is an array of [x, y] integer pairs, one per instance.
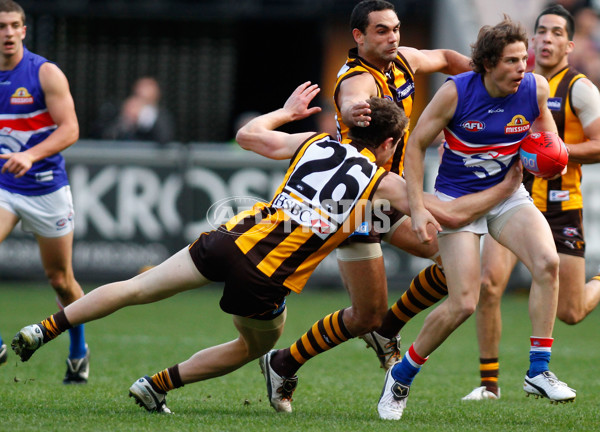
{"points": [[244, 139], [452, 220], [71, 132]]}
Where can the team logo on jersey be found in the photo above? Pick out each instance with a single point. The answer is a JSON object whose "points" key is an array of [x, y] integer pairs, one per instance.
{"points": [[21, 96], [473, 126], [570, 232], [518, 124], [558, 195], [320, 226], [554, 104]]}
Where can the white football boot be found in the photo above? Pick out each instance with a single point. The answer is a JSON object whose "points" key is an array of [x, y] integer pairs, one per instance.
{"points": [[28, 340], [146, 397], [547, 385], [393, 398], [481, 393], [279, 389]]}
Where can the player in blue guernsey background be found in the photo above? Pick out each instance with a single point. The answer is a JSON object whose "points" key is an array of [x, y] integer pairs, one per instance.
{"points": [[484, 115], [37, 122]]}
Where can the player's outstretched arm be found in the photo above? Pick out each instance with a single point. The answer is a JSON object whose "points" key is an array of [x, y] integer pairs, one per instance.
{"points": [[455, 213], [259, 135], [439, 60], [464, 210]]}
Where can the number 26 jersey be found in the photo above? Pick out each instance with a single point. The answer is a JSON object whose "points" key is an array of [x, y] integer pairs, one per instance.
{"points": [[322, 200]]}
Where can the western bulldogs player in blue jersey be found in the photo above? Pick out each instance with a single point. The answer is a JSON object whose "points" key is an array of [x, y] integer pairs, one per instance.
{"points": [[37, 121], [484, 114]]}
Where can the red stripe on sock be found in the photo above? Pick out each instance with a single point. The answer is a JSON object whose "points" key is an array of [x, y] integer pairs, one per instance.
{"points": [[541, 342], [416, 357]]}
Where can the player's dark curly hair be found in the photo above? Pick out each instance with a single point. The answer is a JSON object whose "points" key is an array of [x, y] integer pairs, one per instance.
{"points": [[387, 120], [562, 12], [491, 40], [359, 19]]}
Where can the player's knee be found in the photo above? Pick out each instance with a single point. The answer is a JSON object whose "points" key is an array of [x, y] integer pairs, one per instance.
{"points": [[466, 310], [58, 281], [254, 352], [570, 316], [546, 266], [364, 321], [490, 291], [463, 309], [63, 286]]}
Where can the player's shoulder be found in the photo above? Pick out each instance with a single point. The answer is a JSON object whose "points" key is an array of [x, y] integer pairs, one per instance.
{"points": [[541, 83], [410, 54]]}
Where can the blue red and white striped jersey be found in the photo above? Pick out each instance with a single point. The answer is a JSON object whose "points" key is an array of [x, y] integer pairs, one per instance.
{"points": [[483, 136], [25, 122]]}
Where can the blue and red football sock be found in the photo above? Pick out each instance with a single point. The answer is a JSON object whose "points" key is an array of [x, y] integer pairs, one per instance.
{"points": [[539, 355]]}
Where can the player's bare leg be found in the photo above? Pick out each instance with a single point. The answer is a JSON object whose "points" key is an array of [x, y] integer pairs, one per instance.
{"points": [[576, 298], [56, 254], [528, 235], [460, 253], [253, 341], [8, 221], [176, 274], [497, 263], [366, 283], [255, 338]]}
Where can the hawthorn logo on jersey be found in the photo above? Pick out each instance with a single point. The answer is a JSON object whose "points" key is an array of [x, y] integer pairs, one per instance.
{"points": [[518, 124], [554, 104], [473, 126], [21, 96]]}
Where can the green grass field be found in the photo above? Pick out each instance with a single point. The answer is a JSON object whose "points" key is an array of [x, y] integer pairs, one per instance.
{"points": [[337, 391]]}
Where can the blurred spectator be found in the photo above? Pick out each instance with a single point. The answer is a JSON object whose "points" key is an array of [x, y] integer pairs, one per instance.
{"points": [[141, 118], [585, 56]]}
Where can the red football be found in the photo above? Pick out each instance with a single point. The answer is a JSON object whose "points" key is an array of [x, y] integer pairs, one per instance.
{"points": [[543, 154]]}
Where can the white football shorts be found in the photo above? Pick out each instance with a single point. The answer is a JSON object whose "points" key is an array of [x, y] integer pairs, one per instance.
{"points": [[49, 215], [496, 218]]}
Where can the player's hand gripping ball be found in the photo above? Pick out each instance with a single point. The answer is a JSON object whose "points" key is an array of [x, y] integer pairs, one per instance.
{"points": [[543, 154]]}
